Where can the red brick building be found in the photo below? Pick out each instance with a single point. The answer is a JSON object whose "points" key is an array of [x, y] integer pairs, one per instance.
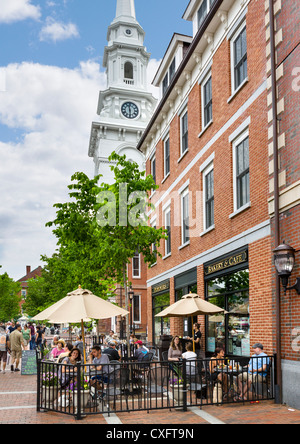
{"points": [[24, 281], [210, 144]]}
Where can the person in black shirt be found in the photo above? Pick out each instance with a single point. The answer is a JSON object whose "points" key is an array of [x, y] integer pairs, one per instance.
{"points": [[111, 351], [197, 338]]}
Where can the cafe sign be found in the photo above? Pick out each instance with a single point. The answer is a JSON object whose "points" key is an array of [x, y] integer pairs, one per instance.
{"points": [[164, 286], [227, 262]]}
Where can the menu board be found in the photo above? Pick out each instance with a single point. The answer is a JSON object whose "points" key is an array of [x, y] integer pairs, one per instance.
{"points": [[29, 366]]}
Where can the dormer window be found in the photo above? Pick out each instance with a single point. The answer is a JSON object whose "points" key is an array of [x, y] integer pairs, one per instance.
{"points": [[203, 11], [169, 76], [172, 70]]}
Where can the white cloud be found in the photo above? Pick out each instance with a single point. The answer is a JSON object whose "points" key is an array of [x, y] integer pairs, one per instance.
{"points": [[57, 31], [54, 107], [17, 10]]}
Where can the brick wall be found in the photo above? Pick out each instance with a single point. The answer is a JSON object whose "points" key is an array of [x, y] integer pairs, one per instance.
{"points": [[260, 265]]}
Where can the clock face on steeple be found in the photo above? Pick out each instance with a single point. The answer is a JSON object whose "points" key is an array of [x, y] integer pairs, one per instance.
{"points": [[130, 110]]}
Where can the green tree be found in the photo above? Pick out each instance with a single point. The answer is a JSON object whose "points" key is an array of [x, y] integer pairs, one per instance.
{"points": [[103, 226], [61, 275], [10, 298]]}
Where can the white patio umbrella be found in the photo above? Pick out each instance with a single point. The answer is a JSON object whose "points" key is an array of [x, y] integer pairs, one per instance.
{"points": [[190, 305], [80, 306]]}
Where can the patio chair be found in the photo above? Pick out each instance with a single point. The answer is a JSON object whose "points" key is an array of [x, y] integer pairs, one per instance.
{"points": [[195, 379], [117, 388], [141, 371]]}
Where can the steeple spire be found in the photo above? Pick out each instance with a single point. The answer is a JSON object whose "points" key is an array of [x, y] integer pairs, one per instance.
{"points": [[126, 9]]}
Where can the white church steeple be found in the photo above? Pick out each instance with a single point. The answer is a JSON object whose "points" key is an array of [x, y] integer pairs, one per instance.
{"points": [[125, 10], [126, 106]]}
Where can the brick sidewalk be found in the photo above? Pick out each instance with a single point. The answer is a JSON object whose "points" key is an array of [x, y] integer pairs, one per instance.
{"points": [[18, 406]]}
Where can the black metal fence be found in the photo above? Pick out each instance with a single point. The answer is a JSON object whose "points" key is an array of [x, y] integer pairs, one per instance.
{"points": [[82, 390]]}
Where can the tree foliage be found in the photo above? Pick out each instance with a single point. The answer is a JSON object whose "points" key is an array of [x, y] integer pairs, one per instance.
{"points": [[98, 232], [10, 298]]}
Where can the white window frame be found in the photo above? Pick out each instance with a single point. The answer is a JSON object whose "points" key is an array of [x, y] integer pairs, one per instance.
{"points": [[139, 268], [235, 144], [166, 173], [204, 174], [167, 212], [182, 115], [203, 83], [207, 11], [183, 194], [133, 306], [153, 158], [234, 37], [153, 222]]}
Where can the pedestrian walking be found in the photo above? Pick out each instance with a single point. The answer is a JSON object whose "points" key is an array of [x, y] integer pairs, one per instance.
{"points": [[26, 335], [16, 344], [4, 346], [32, 340]]}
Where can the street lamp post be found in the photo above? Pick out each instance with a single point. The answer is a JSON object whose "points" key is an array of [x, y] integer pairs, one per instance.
{"points": [[131, 296]]}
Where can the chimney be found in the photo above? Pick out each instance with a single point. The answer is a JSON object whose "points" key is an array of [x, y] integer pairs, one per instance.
{"points": [[28, 269]]}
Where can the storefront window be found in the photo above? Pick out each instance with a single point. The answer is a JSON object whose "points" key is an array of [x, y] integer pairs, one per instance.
{"points": [[187, 323], [161, 325], [231, 332]]}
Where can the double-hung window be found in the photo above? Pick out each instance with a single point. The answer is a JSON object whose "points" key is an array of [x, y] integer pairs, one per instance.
{"points": [[154, 247], [136, 266], [185, 232], [153, 168], [166, 156], [184, 132], [168, 228], [169, 76], [239, 54], [206, 101], [136, 309], [209, 199], [202, 12], [165, 84], [241, 171], [172, 70]]}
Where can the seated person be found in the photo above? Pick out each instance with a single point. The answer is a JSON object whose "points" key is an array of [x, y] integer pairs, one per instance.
{"points": [[101, 365], [59, 349], [67, 350], [257, 371], [216, 362], [111, 351], [175, 355], [54, 341], [191, 356], [109, 337], [141, 351], [79, 344], [132, 339], [66, 372], [175, 350]]}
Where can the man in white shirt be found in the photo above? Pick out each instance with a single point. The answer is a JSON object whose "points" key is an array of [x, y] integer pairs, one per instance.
{"points": [[190, 356]]}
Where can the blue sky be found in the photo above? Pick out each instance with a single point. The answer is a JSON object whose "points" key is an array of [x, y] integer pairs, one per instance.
{"points": [[50, 76]]}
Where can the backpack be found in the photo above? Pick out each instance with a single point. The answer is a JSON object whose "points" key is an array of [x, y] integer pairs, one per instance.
{"points": [[2, 340]]}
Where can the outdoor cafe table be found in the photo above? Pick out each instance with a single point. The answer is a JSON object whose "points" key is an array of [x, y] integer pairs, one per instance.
{"points": [[231, 373]]}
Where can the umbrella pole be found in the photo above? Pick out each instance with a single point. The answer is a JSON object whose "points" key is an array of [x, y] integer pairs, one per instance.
{"points": [[83, 339]]}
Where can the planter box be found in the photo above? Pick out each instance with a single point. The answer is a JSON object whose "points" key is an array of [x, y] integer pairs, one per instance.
{"points": [[49, 395], [178, 391], [84, 398]]}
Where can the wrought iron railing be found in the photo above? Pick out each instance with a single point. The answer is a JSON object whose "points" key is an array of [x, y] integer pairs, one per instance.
{"points": [[82, 389]]}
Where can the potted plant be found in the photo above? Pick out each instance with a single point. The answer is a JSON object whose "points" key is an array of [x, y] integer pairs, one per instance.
{"points": [[50, 387], [84, 391], [177, 388]]}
